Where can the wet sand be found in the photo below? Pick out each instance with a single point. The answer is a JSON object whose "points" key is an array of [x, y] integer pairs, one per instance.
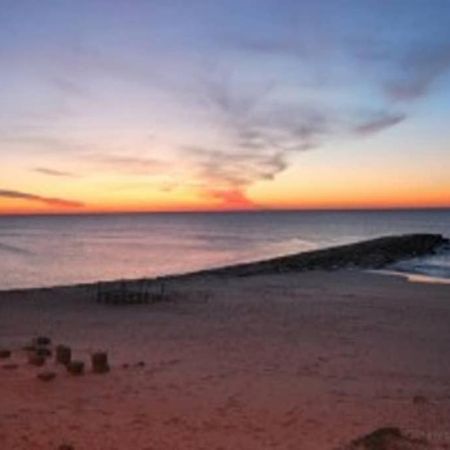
{"points": [[289, 361]]}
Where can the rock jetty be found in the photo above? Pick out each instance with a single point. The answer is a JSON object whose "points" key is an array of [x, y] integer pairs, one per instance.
{"points": [[371, 254]]}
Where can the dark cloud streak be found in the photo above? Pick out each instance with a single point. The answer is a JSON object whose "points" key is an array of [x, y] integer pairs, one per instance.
{"points": [[417, 70], [5, 193], [54, 172], [379, 122]]}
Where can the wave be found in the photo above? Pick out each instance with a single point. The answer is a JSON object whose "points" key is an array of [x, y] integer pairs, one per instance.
{"points": [[433, 266], [14, 249]]}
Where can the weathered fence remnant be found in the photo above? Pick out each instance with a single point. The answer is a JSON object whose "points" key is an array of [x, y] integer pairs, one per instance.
{"points": [[131, 292]]}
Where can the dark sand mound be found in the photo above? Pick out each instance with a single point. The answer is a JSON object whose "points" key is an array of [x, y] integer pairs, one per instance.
{"points": [[388, 438]]}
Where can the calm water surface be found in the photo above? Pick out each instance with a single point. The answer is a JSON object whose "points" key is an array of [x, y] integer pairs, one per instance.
{"points": [[49, 250]]}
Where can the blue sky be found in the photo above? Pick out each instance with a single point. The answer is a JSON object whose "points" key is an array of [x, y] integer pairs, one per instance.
{"points": [[175, 104]]}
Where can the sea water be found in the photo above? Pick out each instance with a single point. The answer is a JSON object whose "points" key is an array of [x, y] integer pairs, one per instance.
{"points": [[37, 251]]}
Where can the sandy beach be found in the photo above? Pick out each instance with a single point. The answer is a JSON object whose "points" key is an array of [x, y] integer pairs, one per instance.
{"points": [[290, 361]]}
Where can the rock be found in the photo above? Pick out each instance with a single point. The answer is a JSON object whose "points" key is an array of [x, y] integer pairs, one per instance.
{"points": [[46, 376], [42, 340], [75, 367], [4, 354], [63, 354], [100, 362], [36, 360]]}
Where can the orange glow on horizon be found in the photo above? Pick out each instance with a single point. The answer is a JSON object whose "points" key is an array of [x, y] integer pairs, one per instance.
{"points": [[426, 200]]}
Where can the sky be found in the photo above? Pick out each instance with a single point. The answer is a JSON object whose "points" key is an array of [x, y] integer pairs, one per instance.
{"points": [[174, 105]]}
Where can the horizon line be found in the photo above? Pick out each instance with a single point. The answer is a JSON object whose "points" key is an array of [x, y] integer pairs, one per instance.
{"points": [[226, 211]]}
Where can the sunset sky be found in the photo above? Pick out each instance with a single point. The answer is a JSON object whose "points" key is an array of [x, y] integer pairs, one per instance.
{"points": [[223, 104]]}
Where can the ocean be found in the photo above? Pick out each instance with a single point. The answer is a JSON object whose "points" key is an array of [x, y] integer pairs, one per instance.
{"points": [[41, 251]]}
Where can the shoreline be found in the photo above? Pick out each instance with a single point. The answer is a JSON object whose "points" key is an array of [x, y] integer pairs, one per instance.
{"points": [[411, 277], [372, 254]]}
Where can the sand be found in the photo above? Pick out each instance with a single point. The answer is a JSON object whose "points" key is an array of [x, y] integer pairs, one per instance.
{"points": [[291, 361]]}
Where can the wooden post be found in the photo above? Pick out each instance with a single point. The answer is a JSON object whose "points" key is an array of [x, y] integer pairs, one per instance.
{"points": [[99, 292], [42, 341], [75, 367], [63, 354], [100, 362], [43, 351]]}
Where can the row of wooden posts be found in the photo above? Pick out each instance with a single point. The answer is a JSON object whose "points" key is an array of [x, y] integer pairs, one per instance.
{"points": [[40, 350], [131, 292]]}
